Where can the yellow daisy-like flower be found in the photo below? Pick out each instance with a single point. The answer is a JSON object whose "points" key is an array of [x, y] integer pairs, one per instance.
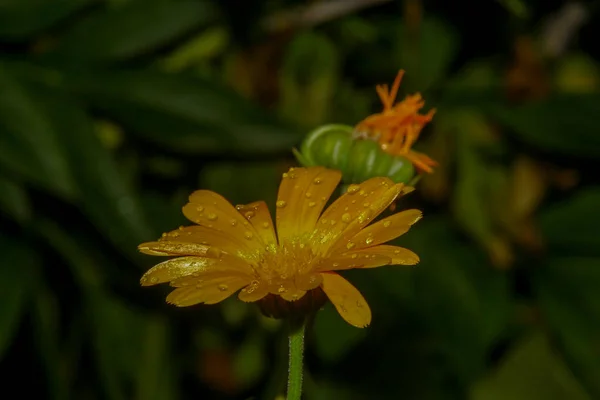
{"points": [[235, 248]]}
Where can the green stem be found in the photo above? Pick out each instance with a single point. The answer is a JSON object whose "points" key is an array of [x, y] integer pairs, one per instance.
{"points": [[296, 339]]}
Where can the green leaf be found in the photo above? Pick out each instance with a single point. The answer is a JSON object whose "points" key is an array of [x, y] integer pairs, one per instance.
{"points": [[249, 362], [29, 144], [17, 279], [563, 124], [572, 225], [184, 113], [464, 301], [20, 19], [530, 371], [567, 292], [132, 29], [14, 200]]}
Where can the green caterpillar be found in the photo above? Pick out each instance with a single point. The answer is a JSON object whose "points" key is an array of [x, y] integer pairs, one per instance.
{"points": [[334, 146]]}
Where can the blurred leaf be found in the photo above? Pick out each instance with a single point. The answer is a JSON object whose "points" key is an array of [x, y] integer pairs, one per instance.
{"points": [[29, 144], [425, 53], [461, 298], [478, 83], [184, 113], [565, 124], [567, 291], [530, 371], [334, 337], [14, 200], [516, 7], [249, 362], [132, 29], [577, 73], [198, 50], [22, 18], [572, 225], [308, 78], [17, 279]]}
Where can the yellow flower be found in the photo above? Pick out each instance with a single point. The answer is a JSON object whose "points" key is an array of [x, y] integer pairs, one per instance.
{"points": [[235, 248], [398, 126]]}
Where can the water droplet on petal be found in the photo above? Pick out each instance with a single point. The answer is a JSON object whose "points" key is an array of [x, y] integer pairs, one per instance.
{"points": [[396, 251], [281, 203], [350, 245], [346, 217], [265, 225], [223, 287], [366, 204], [199, 208], [301, 245], [353, 189], [387, 223], [281, 289], [154, 279], [312, 204], [308, 195], [212, 216], [317, 181], [248, 235], [354, 255], [362, 193], [285, 175], [369, 240], [359, 304], [335, 265], [249, 214], [233, 222]]}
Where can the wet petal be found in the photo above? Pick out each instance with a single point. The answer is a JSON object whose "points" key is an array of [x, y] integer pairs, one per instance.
{"points": [[346, 299], [387, 229], [354, 260], [302, 195], [255, 291], [212, 211], [260, 218], [308, 281], [190, 266], [209, 291], [397, 255], [169, 248], [352, 211]]}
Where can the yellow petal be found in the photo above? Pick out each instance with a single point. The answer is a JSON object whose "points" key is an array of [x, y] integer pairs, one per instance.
{"points": [[302, 195], [209, 291], [397, 255], [260, 218], [354, 260], [293, 294], [387, 229], [169, 248], [308, 281], [346, 299], [255, 291], [212, 211], [352, 211], [185, 266]]}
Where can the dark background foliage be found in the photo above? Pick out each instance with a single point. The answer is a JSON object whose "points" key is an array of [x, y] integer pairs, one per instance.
{"points": [[113, 111]]}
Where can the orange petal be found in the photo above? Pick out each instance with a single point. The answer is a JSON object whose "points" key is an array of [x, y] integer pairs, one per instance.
{"points": [[354, 260], [209, 291], [387, 229], [255, 291], [346, 299], [302, 195], [212, 211], [352, 211], [259, 216], [396, 255]]}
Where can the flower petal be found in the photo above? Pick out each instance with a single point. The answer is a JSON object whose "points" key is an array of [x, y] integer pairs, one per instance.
{"points": [[255, 291], [346, 299], [397, 255], [352, 211], [260, 218], [172, 248], [354, 260], [212, 211], [302, 195], [387, 229], [185, 266], [209, 291]]}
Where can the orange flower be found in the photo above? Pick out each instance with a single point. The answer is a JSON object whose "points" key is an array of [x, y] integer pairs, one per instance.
{"points": [[398, 126], [235, 248]]}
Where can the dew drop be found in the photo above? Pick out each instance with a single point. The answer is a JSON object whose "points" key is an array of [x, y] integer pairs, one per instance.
{"points": [[353, 189], [387, 223], [214, 252], [335, 265], [362, 193], [396, 251], [312, 204], [285, 175], [332, 222], [212, 217], [323, 221], [248, 235], [308, 195], [346, 217], [265, 225], [344, 309], [283, 276], [164, 235], [281, 289], [359, 304], [301, 245], [249, 214], [312, 279], [281, 204], [354, 256], [199, 208], [154, 279], [366, 204], [317, 181], [223, 287], [199, 286], [233, 222], [369, 240], [350, 245]]}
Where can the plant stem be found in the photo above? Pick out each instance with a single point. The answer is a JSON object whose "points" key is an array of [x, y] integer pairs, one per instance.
{"points": [[295, 370]]}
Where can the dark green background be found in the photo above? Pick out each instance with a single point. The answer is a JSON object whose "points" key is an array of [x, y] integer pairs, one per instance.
{"points": [[113, 111]]}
